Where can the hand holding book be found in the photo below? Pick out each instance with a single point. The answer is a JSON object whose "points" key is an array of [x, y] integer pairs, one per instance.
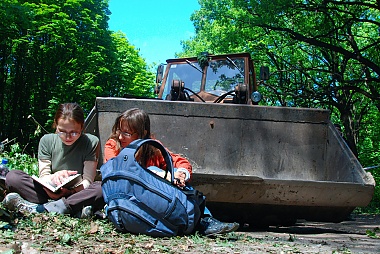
{"points": [[59, 181], [63, 192]]}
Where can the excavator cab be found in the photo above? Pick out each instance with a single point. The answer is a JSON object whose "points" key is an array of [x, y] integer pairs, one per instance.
{"points": [[216, 79]]}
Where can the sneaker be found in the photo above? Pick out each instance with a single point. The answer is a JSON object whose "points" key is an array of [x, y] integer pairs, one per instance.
{"points": [[100, 215], [212, 226], [14, 202], [231, 227], [86, 212]]}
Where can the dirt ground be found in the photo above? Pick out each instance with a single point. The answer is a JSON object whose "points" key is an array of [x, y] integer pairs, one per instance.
{"points": [[361, 234], [352, 236]]}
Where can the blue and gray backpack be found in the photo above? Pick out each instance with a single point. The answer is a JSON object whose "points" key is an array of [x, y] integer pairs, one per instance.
{"points": [[141, 202]]}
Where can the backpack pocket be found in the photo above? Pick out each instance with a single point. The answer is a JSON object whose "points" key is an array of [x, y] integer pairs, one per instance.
{"points": [[128, 216]]}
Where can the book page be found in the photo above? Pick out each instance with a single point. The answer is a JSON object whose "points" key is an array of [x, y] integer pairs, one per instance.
{"points": [[69, 182]]}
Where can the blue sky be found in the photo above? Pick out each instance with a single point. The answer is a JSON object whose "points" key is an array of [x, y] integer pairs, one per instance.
{"points": [[154, 27]]}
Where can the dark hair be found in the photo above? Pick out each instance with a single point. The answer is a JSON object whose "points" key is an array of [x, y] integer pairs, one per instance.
{"points": [[137, 121], [69, 111]]}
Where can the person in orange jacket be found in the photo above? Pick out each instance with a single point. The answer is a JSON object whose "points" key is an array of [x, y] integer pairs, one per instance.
{"points": [[134, 124]]}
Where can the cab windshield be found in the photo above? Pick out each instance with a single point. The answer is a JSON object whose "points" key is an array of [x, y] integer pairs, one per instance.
{"points": [[222, 76]]}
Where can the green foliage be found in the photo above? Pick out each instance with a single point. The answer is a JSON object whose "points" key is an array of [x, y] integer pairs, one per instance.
{"points": [[7, 235], [369, 153], [53, 52], [17, 159], [322, 54], [373, 233], [67, 230], [133, 73], [202, 60], [46, 231]]}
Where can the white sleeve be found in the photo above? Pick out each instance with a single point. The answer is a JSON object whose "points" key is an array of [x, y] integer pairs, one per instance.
{"points": [[89, 173], [44, 168], [183, 170]]}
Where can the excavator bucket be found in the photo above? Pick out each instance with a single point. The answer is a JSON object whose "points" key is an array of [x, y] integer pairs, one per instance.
{"points": [[255, 164]]}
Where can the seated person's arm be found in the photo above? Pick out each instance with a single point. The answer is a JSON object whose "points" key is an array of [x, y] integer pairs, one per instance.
{"points": [[89, 173], [111, 150]]}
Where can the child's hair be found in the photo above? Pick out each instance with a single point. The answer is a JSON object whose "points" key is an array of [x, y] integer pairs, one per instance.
{"points": [[69, 111], [138, 122]]}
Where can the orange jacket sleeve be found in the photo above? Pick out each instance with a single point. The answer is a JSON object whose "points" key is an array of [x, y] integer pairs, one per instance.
{"points": [[181, 162], [110, 150], [178, 162]]}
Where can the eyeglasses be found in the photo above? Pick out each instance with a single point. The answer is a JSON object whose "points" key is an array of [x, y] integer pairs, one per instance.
{"points": [[67, 135], [125, 134]]}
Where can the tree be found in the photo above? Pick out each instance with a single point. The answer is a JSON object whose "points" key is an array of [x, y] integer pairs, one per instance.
{"points": [[134, 78], [321, 53], [60, 51]]}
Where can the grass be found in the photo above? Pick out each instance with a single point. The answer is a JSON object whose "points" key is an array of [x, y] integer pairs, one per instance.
{"points": [[48, 233]]}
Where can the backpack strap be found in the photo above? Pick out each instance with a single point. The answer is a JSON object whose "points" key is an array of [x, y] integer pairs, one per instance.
{"points": [[136, 144]]}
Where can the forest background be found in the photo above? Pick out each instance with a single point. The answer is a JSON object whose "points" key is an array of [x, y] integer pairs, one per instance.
{"points": [[321, 54]]}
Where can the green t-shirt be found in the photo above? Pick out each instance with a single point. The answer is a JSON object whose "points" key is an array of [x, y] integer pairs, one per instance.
{"points": [[67, 157]]}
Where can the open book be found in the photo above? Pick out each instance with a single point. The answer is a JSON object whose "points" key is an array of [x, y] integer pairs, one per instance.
{"points": [[68, 183]]}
